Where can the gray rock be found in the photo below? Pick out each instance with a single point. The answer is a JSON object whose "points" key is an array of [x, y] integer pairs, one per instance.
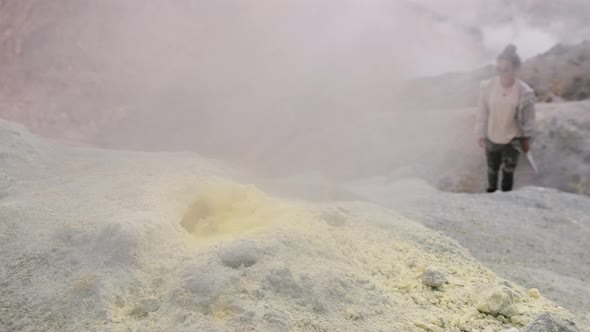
{"points": [[241, 253], [145, 306], [548, 323], [433, 277], [335, 218]]}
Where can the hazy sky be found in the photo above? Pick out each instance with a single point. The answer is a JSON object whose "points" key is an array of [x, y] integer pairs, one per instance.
{"points": [[533, 25]]}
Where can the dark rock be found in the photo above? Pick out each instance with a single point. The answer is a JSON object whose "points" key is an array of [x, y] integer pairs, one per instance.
{"points": [[549, 323]]}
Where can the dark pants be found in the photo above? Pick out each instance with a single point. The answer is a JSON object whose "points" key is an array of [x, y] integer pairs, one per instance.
{"points": [[505, 156]]}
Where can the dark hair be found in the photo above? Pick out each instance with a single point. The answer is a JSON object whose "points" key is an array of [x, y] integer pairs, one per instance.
{"points": [[509, 54]]}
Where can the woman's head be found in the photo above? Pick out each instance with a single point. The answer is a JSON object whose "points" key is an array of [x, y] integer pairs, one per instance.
{"points": [[508, 63]]}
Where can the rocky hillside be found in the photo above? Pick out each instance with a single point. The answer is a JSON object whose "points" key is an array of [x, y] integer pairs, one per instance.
{"points": [[562, 73]]}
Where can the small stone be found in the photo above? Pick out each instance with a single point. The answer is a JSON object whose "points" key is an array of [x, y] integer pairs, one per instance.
{"points": [[150, 304], [334, 218], [433, 277], [514, 329], [500, 300], [465, 329], [549, 323], [352, 315], [519, 320], [145, 306], [534, 293], [241, 254]]}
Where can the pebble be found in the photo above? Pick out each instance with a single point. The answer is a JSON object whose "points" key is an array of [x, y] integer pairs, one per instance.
{"points": [[433, 277], [534, 293]]}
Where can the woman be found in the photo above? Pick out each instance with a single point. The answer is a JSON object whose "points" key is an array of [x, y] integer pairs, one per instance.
{"points": [[506, 119]]}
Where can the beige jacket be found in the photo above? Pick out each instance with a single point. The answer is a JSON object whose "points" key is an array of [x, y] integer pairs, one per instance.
{"points": [[525, 114]]}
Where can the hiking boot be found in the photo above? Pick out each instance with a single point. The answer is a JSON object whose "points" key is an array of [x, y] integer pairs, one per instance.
{"points": [[507, 181]]}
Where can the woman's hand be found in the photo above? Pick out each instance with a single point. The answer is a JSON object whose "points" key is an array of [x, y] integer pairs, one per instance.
{"points": [[482, 142]]}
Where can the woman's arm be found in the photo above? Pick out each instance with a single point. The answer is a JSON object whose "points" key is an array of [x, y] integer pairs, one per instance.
{"points": [[527, 118], [481, 119], [527, 115]]}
